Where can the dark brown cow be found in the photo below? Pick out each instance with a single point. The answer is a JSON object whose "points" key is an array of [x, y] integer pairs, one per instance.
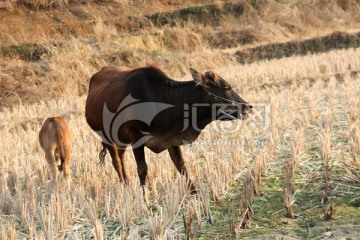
{"points": [[54, 138], [145, 108]]}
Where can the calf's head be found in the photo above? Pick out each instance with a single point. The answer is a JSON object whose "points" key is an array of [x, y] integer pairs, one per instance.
{"points": [[224, 100]]}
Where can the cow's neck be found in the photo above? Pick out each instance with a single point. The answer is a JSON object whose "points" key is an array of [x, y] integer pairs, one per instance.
{"points": [[187, 94], [181, 126]]}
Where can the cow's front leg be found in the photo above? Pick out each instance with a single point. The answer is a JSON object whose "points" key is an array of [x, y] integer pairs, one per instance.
{"points": [[178, 160], [141, 165]]}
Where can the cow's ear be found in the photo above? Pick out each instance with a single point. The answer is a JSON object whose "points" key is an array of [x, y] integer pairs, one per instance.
{"points": [[198, 77], [210, 75]]}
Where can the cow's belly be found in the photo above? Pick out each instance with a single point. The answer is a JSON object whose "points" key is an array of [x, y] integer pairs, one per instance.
{"points": [[158, 144]]}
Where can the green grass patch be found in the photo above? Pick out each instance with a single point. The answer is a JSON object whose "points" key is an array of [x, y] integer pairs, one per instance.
{"points": [[269, 214]]}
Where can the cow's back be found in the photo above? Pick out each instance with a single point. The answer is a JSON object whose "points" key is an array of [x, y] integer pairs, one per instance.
{"points": [[110, 86], [107, 87]]}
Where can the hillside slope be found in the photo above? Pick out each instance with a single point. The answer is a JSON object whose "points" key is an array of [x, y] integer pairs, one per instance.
{"points": [[50, 49]]}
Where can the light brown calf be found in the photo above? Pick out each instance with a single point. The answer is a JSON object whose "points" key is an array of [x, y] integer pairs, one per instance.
{"points": [[55, 140]]}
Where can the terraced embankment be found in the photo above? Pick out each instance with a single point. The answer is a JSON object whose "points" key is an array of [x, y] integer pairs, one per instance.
{"points": [[50, 51]]}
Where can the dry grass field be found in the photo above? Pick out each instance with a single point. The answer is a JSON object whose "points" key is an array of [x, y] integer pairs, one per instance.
{"points": [[299, 153]]}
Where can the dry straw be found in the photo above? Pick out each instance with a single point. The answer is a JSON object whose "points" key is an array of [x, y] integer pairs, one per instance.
{"points": [[352, 165], [98, 205], [246, 201], [289, 188], [324, 144]]}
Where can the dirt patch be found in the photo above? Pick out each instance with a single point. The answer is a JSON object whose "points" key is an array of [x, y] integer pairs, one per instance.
{"points": [[208, 15], [26, 51], [336, 40], [347, 231], [232, 39]]}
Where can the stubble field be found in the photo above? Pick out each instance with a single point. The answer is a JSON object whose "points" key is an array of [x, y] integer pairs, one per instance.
{"points": [[310, 98], [303, 140]]}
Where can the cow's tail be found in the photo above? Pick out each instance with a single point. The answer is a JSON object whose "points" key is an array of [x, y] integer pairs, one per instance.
{"points": [[102, 154]]}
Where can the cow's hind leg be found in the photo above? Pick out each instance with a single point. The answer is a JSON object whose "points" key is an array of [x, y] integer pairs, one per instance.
{"points": [[121, 154], [178, 160], [117, 162], [141, 165], [49, 155]]}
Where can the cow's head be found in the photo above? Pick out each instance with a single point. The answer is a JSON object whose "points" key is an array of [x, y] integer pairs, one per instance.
{"points": [[230, 105]]}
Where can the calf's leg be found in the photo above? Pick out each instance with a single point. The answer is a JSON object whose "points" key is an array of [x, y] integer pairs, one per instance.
{"points": [[49, 155], [65, 163]]}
